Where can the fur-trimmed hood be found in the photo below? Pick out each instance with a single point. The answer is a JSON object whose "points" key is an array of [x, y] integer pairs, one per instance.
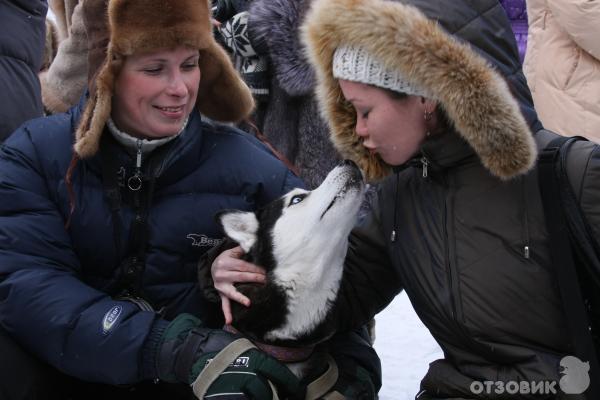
{"points": [[136, 27], [439, 57]]}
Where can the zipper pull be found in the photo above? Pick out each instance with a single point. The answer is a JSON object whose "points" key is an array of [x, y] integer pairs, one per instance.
{"points": [[425, 165], [138, 159], [135, 182]]}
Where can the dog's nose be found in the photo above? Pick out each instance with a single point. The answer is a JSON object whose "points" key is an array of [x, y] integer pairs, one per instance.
{"points": [[349, 163]]}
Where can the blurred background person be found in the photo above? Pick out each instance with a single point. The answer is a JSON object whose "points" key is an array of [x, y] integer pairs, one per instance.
{"points": [[517, 14], [562, 65], [22, 40]]}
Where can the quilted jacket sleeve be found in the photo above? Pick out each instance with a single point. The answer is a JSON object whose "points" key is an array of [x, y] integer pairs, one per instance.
{"points": [[580, 19], [43, 303], [370, 281]]}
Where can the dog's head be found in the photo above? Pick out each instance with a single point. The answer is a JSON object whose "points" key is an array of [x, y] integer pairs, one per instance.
{"points": [[301, 240], [302, 224]]}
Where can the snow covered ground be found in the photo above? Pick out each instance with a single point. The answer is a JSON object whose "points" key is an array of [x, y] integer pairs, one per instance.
{"points": [[405, 347]]}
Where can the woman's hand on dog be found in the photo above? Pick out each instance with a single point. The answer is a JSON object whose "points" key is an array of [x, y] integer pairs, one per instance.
{"points": [[227, 270]]}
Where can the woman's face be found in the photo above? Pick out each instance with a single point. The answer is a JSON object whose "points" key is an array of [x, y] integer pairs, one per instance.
{"points": [[392, 127], [155, 92]]}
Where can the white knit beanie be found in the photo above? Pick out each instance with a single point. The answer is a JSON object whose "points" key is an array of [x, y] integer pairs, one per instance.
{"points": [[356, 65]]}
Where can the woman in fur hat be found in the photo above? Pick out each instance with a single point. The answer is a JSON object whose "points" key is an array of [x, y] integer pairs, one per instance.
{"points": [[428, 97], [105, 211]]}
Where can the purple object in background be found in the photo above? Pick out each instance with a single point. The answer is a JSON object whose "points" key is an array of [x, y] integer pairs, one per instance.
{"points": [[517, 13]]}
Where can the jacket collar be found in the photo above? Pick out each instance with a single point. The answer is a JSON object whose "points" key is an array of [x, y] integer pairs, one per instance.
{"points": [[446, 150], [167, 163]]}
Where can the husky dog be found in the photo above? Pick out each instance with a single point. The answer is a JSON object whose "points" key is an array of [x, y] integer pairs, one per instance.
{"points": [[301, 241]]}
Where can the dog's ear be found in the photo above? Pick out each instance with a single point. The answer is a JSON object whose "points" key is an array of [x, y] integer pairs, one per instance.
{"points": [[240, 226]]}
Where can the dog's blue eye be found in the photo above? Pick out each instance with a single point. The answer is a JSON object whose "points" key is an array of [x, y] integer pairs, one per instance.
{"points": [[297, 199]]}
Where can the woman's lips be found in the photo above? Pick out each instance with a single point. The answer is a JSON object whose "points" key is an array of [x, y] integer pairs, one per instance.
{"points": [[171, 111]]}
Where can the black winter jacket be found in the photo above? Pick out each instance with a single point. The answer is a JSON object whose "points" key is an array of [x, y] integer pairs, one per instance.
{"points": [[472, 254], [460, 227]]}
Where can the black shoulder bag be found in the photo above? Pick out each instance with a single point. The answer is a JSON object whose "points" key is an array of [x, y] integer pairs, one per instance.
{"points": [[575, 255]]}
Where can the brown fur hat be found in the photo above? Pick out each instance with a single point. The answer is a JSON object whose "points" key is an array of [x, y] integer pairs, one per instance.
{"points": [[475, 97], [140, 26]]}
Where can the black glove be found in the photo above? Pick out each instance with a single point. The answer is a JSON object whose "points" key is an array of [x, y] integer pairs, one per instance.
{"points": [[186, 348], [354, 382], [358, 364]]}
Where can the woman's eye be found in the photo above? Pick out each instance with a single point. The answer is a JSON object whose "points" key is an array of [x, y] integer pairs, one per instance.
{"points": [[365, 114], [190, 66], [152, 71], [297, 199]]}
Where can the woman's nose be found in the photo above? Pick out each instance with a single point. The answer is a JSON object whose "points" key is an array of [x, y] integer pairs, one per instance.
{"points": [[177, 86], [361, 128]]}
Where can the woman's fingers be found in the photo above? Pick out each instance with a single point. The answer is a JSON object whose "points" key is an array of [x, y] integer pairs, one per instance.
{"points": [[227, 270], [230, 291], [226, 307], [230, 277]]}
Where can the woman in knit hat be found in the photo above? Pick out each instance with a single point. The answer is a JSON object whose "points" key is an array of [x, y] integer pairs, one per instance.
{"points": [[106, 210], [428, 97]]}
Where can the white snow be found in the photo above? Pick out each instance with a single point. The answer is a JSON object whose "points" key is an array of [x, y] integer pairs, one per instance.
{"points": [[405, 348]]}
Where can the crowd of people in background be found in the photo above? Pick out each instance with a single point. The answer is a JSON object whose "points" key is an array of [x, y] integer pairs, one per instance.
{"points": [[46, 68], [71, 92]]}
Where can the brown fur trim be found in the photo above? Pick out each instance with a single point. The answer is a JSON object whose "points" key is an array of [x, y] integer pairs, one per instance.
{"points": [[96, 113], [142, 26], [139, 26], [475, 97], [223, 95]]}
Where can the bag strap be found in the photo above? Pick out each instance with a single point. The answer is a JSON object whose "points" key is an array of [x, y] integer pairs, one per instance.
{"points": [[219, 364], [320, 387], [551, 169]]}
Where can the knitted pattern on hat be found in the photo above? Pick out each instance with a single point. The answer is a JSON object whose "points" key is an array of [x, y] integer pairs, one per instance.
{"points": [[357, 65]]}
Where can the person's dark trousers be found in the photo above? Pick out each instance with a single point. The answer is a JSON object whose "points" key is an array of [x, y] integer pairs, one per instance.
{"points": [[23, 377]]}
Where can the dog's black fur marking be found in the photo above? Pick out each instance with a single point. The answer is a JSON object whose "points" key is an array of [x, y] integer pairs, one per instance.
{"points": [[253, 321]]}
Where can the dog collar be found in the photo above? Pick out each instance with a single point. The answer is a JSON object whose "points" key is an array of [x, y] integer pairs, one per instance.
{"points": [[281, 353]]}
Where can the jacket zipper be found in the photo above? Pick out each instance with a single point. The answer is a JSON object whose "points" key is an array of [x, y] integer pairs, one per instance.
{"points": [[134, 183], [453, 285]]}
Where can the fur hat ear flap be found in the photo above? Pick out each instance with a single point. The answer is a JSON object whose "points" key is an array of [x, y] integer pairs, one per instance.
{"points": [[239, 226], [96, 113], [223, 95]]}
